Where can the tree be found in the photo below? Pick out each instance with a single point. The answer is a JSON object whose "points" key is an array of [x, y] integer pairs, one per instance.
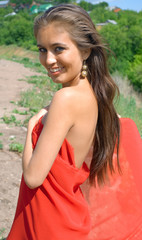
{"points": [[21, 2], [86, 5], [135, 72], [100, 14], [17, 30]]}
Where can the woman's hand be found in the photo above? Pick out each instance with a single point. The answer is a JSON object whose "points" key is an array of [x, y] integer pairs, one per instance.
{"points": [[34, 120]]}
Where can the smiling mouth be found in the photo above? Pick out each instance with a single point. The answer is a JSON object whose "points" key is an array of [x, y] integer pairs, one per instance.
{"points": [[54, 70]]}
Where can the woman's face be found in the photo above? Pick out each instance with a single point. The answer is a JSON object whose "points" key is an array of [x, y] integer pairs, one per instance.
{"points": [[59, 54]]}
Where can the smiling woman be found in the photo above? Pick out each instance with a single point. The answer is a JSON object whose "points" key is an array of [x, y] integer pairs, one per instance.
{"points": [[81, 118], [59, 54]]}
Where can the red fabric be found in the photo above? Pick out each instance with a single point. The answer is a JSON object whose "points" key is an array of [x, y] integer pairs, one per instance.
{"points": [[57, 209], [116, 209]]}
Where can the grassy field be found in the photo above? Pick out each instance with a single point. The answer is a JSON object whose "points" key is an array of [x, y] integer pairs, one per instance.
{"points": [[44, 88]]}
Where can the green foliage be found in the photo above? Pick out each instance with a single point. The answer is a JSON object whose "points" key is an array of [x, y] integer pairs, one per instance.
{"points": [[11, 119], [118, 41], [16, 147], [17, 30], [21, 2], [128, 18], [135, 72], [101, 14], [120, 45], [5, 11], [20, 112], [124, 40], [86, 5], [40, 95]]}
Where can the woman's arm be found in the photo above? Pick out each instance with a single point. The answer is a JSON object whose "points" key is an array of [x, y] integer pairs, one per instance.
{"points": [[60, 119], [28, 150]]}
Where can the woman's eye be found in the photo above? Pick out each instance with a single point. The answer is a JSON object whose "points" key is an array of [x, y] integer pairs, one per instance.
{"points": [[42, 50], [59, 49]]}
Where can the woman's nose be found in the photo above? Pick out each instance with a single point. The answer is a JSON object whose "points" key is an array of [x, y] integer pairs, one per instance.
{"points": [[50, 58]]}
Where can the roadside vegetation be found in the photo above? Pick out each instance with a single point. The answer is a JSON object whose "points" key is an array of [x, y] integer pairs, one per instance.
{"points": [[16, 147]]}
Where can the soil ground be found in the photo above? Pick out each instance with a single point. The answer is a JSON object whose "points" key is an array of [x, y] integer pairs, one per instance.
{"points": [[10, 162]]}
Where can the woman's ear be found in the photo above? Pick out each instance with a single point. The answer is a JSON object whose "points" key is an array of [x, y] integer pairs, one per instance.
{"points": [[86, 53]]}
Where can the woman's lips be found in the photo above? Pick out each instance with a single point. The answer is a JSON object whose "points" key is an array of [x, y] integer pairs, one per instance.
{"points": [[55, 71]]}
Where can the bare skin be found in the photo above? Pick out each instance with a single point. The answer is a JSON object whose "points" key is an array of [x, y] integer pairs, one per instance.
{"points": [[72, 113]]}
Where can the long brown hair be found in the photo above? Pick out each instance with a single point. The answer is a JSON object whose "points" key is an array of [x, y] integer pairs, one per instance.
{"points": [[83, 32]]}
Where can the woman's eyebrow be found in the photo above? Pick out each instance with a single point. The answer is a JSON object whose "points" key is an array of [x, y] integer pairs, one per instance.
{"points": [[38, 45], [59, 43], [54, 44]]}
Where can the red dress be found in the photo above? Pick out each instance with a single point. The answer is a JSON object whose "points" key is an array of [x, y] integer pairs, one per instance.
{"points": [[116, 209], [57, 209]]}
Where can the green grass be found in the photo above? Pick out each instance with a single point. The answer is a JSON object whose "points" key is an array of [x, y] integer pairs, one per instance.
{"points": [[34, 100], [39, 96], [11, 51], [43, 82], [27, 62], [16, 147], [11, 119], [20, 112], [18, 54], [1, 233], [127, 108]]}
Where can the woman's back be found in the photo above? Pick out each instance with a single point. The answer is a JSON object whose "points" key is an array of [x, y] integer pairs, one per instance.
{"points": [[83, 103]]}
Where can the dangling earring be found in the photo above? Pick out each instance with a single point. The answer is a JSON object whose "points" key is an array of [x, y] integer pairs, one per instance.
{"points": [[84, 70]]}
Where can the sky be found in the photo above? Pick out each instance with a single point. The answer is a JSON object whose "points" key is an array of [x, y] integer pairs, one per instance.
{"points": [[135, 5]]}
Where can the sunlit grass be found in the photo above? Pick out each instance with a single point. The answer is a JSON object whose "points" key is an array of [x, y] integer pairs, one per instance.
{"points": [[126, 108]]}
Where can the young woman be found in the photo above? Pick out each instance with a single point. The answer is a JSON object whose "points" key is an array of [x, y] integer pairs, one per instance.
{"points": [[81, 116]]}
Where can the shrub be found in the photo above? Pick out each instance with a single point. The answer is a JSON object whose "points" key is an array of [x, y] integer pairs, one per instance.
{"points": [[135, 73], [16, 147]]}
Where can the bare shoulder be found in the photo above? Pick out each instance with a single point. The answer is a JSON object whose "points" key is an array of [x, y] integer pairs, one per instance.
{"points": [[65, 93], [64, 97], [74, 100]]}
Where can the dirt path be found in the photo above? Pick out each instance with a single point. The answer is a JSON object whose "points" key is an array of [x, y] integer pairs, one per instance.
{"points": [[10, 162]]}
